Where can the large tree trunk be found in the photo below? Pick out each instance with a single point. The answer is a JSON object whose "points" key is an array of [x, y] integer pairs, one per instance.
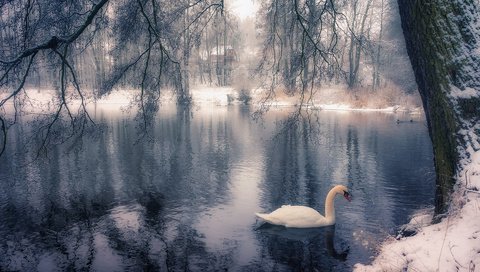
{"points": [[443, 49]]}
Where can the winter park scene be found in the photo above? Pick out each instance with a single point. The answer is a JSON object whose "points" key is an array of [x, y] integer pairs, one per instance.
{"points": [[240, 135]]}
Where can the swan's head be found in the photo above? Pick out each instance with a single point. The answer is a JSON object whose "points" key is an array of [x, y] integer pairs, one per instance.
{"points": [[340, 189]]}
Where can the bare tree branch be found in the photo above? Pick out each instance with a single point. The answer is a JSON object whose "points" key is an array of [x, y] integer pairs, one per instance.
{"points": [[55, 41], [4, 134], [22, 82]]}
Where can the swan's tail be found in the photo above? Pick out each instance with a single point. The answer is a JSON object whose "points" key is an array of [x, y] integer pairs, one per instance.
{"points": [[263, 216], [268, 218]]}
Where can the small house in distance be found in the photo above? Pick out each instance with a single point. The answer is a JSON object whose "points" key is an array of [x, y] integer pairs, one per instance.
{"points": [[219, 61], [217, 56]]}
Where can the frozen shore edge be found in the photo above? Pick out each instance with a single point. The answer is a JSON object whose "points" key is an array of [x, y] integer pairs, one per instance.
{"points": [[453, 244]]}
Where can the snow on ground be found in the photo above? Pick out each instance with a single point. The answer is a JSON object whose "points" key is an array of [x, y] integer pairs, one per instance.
{"points": [[346, 107], [220, 96], [451, 245], [44, 100], [119, 97]]}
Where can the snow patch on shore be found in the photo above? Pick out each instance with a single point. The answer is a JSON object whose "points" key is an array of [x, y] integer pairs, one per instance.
{"points": [[451, 245]]}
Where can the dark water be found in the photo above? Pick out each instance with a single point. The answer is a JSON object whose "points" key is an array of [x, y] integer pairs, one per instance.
{"points": [[185, 199]]}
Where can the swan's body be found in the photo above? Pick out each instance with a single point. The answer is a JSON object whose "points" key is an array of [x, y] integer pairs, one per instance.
{"points": [[296, 217], [306, 217]]}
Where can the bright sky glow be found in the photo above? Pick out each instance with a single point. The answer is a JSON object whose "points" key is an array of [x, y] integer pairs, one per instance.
{"points": [[243, 8]]}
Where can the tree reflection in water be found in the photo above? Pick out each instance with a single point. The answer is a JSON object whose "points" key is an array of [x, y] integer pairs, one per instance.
{"points": [[183, 197]]}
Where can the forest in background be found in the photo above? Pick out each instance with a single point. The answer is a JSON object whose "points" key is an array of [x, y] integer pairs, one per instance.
{"points": [[289, 48]]}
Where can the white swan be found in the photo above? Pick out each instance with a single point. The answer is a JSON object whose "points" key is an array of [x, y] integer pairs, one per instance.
{"points": [[306, 217]]}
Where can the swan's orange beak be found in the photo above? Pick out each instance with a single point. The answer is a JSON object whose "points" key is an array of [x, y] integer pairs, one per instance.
{"points": [[347, 196]]}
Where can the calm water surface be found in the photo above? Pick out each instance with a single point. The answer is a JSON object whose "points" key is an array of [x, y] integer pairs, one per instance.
{"points": [[185, 197]]}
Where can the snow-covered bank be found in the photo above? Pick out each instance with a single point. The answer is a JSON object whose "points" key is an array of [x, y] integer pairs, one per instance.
{"points": [[451, 245], [41, 101], [340, 98]]}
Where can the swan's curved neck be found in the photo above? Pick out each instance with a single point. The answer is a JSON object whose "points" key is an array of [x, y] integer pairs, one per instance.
{"points": [[329, 206]]}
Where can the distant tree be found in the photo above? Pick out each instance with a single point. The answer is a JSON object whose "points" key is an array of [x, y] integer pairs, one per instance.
{"points": [[357, 32], [377, 54], [299, 42], [325, 42]]}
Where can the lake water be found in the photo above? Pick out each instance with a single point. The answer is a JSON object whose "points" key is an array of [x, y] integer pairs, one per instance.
{"points": [[184, 197]]}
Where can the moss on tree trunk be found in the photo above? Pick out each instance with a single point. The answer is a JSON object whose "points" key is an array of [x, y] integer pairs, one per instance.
{"points": [[437, 35]]}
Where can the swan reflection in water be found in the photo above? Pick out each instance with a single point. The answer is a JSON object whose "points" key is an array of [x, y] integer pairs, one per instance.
{"points": [[307, 237]]}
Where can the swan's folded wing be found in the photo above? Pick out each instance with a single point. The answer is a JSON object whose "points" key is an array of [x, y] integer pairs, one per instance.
{"points": [[297, 216]]}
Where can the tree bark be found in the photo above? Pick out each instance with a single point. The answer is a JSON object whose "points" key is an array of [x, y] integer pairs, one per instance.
{"points": [[443, 49]]}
